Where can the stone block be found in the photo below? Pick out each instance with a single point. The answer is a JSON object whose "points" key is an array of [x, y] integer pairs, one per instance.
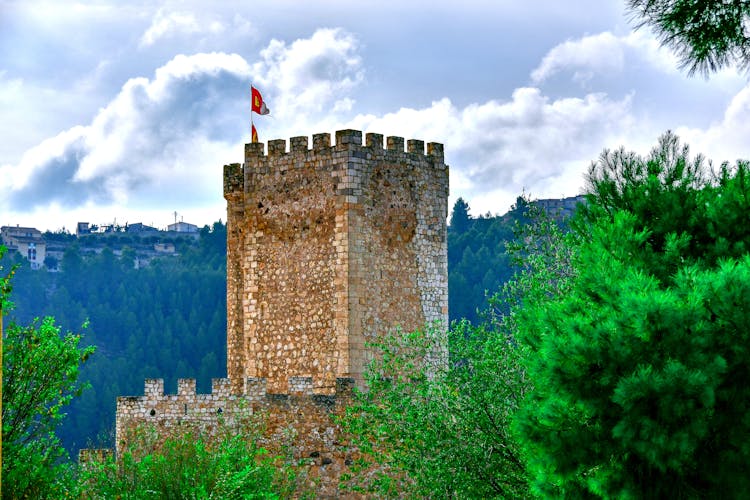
{"points": [[298, 144], [395, 143], [186, 387], [153, 387], [435, 149], [415, 146], [321, 141], [347, 137], [374, 141], [276, 147], [253, 150]]}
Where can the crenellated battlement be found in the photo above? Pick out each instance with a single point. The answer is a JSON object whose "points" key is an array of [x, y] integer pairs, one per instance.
{"points": [[255, 388], [345, 139], [349, 141], [187, 406], [233, 178]]}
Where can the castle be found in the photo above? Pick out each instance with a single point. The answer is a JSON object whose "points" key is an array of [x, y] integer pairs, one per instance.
{"points": [[328, 248]]}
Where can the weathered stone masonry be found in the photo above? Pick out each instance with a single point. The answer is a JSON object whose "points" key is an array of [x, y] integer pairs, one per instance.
{"points": [[327, 248]]}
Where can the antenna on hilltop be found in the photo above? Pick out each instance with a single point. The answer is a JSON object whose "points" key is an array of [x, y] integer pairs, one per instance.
{"points": [[175, 217]]}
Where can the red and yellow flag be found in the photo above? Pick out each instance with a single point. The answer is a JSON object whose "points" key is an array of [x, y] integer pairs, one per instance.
{"points": [[258, 106], [254, 134]]}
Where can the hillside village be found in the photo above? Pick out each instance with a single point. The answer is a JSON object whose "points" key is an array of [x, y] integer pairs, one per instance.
{"points": [[46, 249]]}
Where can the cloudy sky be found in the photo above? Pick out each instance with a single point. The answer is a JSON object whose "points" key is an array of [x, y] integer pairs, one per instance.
{"points": [[127, 111]]}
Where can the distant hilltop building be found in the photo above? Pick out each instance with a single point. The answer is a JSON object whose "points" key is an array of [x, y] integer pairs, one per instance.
{"points": [[328, 248], [562, 208], [183, 227], [27, 241], [139, 227], [47, 250], [82, 228]]}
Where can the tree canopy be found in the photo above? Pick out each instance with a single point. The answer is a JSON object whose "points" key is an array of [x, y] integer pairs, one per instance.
{"points": [[707, 35], [190, 464], [639, 369], [429, 430]]}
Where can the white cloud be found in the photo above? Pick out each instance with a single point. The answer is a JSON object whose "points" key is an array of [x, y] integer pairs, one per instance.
{"points": [[497, 149], [309, 77], [154, 136], [162, 140], [12, 93], [727, 139], [603, 53], [31, 113], [170, 24], [163, 25]]}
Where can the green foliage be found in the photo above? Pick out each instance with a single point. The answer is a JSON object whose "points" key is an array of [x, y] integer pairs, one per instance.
{"points": [[639, 367], [690, 213], [442, 430], [189, 466], [427, 429], [707, 35], [661, 191], [40, 377], [542, 252]]}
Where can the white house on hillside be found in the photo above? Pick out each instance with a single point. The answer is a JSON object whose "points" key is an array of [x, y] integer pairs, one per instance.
{"points": [[183, 227], [27, 241]]}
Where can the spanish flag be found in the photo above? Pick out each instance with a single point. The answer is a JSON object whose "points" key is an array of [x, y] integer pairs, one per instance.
{"points": [[258, 106], [254, 134]]}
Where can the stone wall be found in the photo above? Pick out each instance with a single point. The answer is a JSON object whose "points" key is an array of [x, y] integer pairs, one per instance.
{"points": [[186, 407], [327, 248], [296, 421], [330, 247]]}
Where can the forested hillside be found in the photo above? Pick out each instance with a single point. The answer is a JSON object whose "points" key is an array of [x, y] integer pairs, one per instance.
{"points": [[168, 319], [477, 262], [165, 320]]}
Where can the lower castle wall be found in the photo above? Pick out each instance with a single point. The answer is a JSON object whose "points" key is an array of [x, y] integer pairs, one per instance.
{"points": [[297, 422]]}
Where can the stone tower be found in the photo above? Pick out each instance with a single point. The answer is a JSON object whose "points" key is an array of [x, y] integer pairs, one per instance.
{"points": [[328, 248]]}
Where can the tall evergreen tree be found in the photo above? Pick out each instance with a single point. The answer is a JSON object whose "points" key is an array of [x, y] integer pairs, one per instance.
{"points": [[639, 368], [460, 219]]}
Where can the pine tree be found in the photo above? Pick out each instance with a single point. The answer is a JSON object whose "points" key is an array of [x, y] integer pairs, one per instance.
{"points": [[707, 35], [460, 219], [640, 368]]}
